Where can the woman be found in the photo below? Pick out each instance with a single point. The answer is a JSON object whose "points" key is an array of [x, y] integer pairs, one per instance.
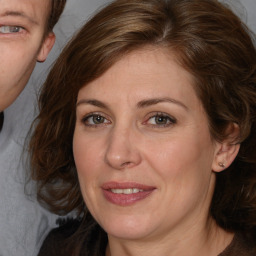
{"points": [[147, 130]]}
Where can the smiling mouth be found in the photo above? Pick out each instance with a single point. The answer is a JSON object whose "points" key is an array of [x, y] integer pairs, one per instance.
{"points": [[127, 193]]}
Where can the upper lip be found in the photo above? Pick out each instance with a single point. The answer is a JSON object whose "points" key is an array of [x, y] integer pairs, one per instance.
{"points": [[125, 185]]}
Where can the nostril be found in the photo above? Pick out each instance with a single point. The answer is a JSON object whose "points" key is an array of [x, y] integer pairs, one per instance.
{"points": [[125, 164]]}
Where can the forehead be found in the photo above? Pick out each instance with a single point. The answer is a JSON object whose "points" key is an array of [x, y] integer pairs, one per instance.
{"points": [[35, 11], [142, 74]]}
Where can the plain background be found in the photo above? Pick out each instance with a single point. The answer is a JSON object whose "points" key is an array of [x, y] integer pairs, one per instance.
{"points": [[22, 222]]}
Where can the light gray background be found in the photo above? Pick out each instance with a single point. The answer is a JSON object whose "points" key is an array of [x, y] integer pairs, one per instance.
{"points": [[23, 224]]}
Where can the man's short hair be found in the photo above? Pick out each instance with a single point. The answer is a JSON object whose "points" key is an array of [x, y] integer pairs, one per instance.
{"points": [[57, 7]]}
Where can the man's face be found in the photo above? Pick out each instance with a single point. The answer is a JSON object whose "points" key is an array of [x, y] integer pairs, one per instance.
{"points": [[22, 43]]}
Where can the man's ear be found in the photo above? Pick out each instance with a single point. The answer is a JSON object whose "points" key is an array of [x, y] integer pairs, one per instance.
{"points": [[227, 150], [46, 47]]}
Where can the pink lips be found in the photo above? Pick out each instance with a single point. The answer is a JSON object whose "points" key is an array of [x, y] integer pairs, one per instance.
{"points": [[113, 192]]}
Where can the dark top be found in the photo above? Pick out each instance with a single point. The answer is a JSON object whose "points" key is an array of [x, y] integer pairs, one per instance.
{"points": [[57, 241], [1, 120]]}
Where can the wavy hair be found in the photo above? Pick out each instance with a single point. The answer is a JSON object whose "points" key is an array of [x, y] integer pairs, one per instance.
{"points": [[211, 42]]}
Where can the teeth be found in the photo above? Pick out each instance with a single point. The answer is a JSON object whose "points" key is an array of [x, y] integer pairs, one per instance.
{"points": [[126, 191]]}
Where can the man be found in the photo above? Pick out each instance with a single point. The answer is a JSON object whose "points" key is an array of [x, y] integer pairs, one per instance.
{"points": [[26, 37]]}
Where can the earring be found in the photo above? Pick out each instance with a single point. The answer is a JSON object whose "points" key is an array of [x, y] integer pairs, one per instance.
{"points": [[221, 165]]}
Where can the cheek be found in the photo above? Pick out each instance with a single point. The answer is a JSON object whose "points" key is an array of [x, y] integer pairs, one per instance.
{"points": [[84, 162], [89, 169], [18, 62], [181, 156], [82, 156], [86, 156], [183, 168], [17, 66]]}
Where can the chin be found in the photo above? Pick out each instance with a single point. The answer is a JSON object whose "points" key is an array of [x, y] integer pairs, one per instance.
{"points": [[128, 229]]}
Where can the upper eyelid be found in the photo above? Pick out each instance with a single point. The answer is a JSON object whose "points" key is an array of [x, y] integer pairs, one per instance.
{"points": [[149, 115], [14, 25], [172, 120], [90, 114], [157, 113], [146, 117], [17, 21]]}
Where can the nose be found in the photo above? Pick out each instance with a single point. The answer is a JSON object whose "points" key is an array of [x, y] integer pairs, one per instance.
{"points": [[122, 151]]}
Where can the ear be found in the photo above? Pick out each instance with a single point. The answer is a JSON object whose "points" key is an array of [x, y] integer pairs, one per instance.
{"points": [[227, 150], [46, 47]]}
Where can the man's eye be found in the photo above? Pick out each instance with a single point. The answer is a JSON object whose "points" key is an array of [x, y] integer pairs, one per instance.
{"points": [[10, 29]]}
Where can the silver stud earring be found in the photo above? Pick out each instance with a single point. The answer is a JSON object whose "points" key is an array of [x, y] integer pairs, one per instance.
{"points": [[221, 165]]}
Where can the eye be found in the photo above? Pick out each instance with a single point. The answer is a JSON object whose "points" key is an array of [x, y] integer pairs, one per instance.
{"points": [[161, 120], [95, 120], [10, 29]]}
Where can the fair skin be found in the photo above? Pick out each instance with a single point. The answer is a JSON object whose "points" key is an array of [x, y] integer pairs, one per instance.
{"points": [[22, 43], [146, 161]]}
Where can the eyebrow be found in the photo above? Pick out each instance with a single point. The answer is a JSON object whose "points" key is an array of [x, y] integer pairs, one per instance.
{"points": [[96, 103], [140, 104], [19, 14], [150, 102]]}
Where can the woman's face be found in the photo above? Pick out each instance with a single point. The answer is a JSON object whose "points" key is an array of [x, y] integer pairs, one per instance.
{"points": [[143, 150]]}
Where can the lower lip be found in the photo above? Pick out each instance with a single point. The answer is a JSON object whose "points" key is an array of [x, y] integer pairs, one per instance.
{"points": [[125, 200]]}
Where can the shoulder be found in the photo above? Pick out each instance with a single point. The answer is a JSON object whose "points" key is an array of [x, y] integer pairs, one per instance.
{"points": [[58, 237], [83, 237], [243, 244], [1, 120]]}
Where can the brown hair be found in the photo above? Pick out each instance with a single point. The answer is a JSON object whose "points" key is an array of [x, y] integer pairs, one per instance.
{"points": [[57, 7], [209, 40]]}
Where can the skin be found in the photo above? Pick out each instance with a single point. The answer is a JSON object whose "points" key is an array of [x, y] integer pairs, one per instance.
{"points": [[177, 156], [22, 42]]}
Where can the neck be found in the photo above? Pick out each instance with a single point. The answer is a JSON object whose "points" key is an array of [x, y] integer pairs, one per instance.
{"points": [[210, 241]]}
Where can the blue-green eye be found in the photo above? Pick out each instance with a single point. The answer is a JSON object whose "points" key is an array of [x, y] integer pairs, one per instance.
{"points": [[95, 119], [98, 119], [10, 29], [161, 120]]}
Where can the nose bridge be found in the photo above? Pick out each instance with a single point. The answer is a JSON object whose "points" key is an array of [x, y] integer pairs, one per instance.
{"points": [[121, 150]]}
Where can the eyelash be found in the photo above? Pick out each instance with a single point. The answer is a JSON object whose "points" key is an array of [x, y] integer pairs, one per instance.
{"points": [[94, 115], [3, 27], [169, 120]]}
